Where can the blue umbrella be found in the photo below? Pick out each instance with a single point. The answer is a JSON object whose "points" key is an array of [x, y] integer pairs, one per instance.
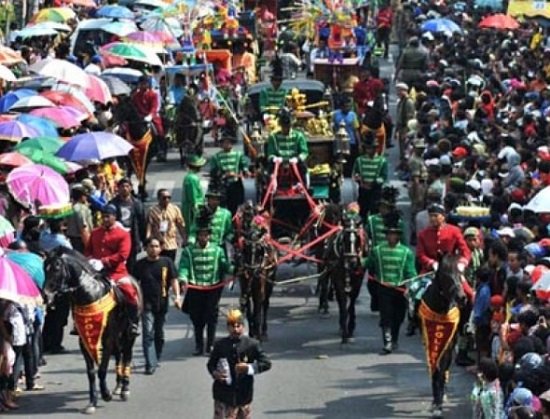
{"points": [[31, 263], [115, 12], [441, 25], [45, 127], [94, 145], [10, 98]]}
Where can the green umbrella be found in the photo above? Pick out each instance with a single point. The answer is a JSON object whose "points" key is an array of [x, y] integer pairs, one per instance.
{"points": [[133, 52], [46, 159], [47, 144]]}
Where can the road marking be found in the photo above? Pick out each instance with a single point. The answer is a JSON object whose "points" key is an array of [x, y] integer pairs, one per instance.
{"points": [[164, 184]]}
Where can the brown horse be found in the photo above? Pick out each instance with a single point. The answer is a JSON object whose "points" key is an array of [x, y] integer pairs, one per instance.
{"points": [[100, 318]]}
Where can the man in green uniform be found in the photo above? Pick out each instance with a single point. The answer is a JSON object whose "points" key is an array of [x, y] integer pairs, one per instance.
{"points": [[288, 144], [376, 230], [226, 170], [370, 171], [221, 221], [193, 195], [391, 263], [202, 268], [273, 98]]}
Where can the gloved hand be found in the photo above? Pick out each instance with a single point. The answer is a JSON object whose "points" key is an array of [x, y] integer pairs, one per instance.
{"points": [[96, 264], [276, 159], [293, 160], [148, 118], [435, 265], [461, 267]]}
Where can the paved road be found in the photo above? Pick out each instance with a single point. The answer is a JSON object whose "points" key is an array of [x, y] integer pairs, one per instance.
{"points": [[313, 375]]}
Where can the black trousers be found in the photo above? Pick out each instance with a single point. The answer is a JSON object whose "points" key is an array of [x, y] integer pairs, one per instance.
{"points": [[234, 196], [24, 361], [54, 323], [131, 262], [393, 307], [383, 38], [202, 307], [350, 160], [368, 200]]}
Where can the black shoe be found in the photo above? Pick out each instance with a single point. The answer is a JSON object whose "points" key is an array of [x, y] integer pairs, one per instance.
{"points": [[149, 370], [73, 332], [209, 349], [134, 329], [390, 145], [198, 352], [395, 346], [58, 350]]}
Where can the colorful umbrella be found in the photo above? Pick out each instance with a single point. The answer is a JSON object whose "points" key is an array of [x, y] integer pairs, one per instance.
{"points": [[127, 75], [46, 159], [16, 284], [98, 90], [116, 86], [54, 14], [82, 102], [60, 27], [8, 56], [89, 4], [11, 97], [32, 264], [65, 99], [6, 74], [159, 25], [14, 131], [120, 28], [94, 145], [14, 159], [60, 70], [7, 232], [146, 39], [31, 102], [542, 287], [115, 12], [440, 25], [499, 21], [47, 144], [133, 52], [35, 185], [45, 127], [61, 116]]}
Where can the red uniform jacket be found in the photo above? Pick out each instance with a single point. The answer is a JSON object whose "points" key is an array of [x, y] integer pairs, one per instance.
{"points": [[147, 103], [112, 247], [366, 91], [434, 243]]}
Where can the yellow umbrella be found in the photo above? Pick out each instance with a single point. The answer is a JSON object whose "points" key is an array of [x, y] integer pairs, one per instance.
{"points": [[54, 14]]}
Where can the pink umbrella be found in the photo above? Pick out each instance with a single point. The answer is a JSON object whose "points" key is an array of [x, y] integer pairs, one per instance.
{"points": [[140, 37], [98, 90], [61, 116], [14, 159], [16, 284], [76, 112], [35, 185]]}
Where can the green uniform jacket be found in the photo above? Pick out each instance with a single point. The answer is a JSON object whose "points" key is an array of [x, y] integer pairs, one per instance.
{"points": [[270, 97], [392, 265], [225, 162], [221, 225], [376, 230], [203, 267], [193, 196], [371, 170], [287, 146]]}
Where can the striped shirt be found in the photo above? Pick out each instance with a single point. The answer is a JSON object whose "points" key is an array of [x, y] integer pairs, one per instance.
{"points": [[392, 265], [288, 146], [373, 169], [271, 98], [376, 230], [202, 266], [225, 162]]}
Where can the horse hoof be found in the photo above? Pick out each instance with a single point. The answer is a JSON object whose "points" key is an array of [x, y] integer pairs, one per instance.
{"points": [[117, 391], [107, 397], [89, 410], [125, 395]]}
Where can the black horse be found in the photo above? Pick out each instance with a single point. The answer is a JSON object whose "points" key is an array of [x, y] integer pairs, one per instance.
{"points": [[257, 266], [188, 129], [344, 273], [444, 296], [68, 272], [139, 133]]}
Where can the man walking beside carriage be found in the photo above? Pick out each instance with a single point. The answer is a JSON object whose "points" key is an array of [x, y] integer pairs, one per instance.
{"points": [[392, 263]]}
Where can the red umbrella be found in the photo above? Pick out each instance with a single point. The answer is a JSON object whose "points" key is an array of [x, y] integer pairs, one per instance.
{"points": [[64, 98], [98, 90], [499, 21]]}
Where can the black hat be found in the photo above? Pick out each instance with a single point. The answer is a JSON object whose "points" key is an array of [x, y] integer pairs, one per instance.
{"points": [[109, 209], [213, 193], [437, 209], [389, 196], [204, 219], [285, 116], [228, 134], [277, 69], [392, 222]]}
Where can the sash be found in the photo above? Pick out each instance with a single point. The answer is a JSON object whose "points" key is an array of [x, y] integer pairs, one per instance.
{"points": [[438, 331], [138, 155], [90, 321]]}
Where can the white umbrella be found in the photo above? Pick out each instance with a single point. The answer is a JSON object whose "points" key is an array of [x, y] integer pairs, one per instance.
{"points": [[52, 25], [61, 70], [6, 74], [34, 32], [540, 202], [32, 102]]}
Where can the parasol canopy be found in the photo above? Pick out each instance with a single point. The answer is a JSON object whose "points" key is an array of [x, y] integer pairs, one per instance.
{"points": [[14, 159], [45, 127], [115, 12], [54, 14], [540, 203], [499, 21], [16, 284], [35, 185], [60, 70], [32, 264], [98, 90], [60, 115], [47, 144], [8, 56], [116, 86], [441, 25], [7, 232], [15, 131], [31, 102], [133, 52], [10, 98], [46, 159], [6, 74], [94, 146]]}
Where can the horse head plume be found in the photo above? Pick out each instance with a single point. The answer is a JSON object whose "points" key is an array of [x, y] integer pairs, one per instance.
{"points": [[392, 220]]}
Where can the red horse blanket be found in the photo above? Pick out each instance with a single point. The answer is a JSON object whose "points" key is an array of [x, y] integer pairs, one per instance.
{"points": [[90, 321], [438, 331]]}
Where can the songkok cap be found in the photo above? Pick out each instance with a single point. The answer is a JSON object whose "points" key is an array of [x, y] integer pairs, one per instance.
{"points": [[109, 209], [437, 209], [402, 86]]}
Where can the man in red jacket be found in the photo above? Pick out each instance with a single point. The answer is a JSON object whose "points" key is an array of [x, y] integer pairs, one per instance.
{"points": [[384, 20], [440, 239], [111, 244]]}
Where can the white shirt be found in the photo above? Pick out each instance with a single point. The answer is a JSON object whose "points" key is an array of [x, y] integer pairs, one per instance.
{"points": [[19, 331]]}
